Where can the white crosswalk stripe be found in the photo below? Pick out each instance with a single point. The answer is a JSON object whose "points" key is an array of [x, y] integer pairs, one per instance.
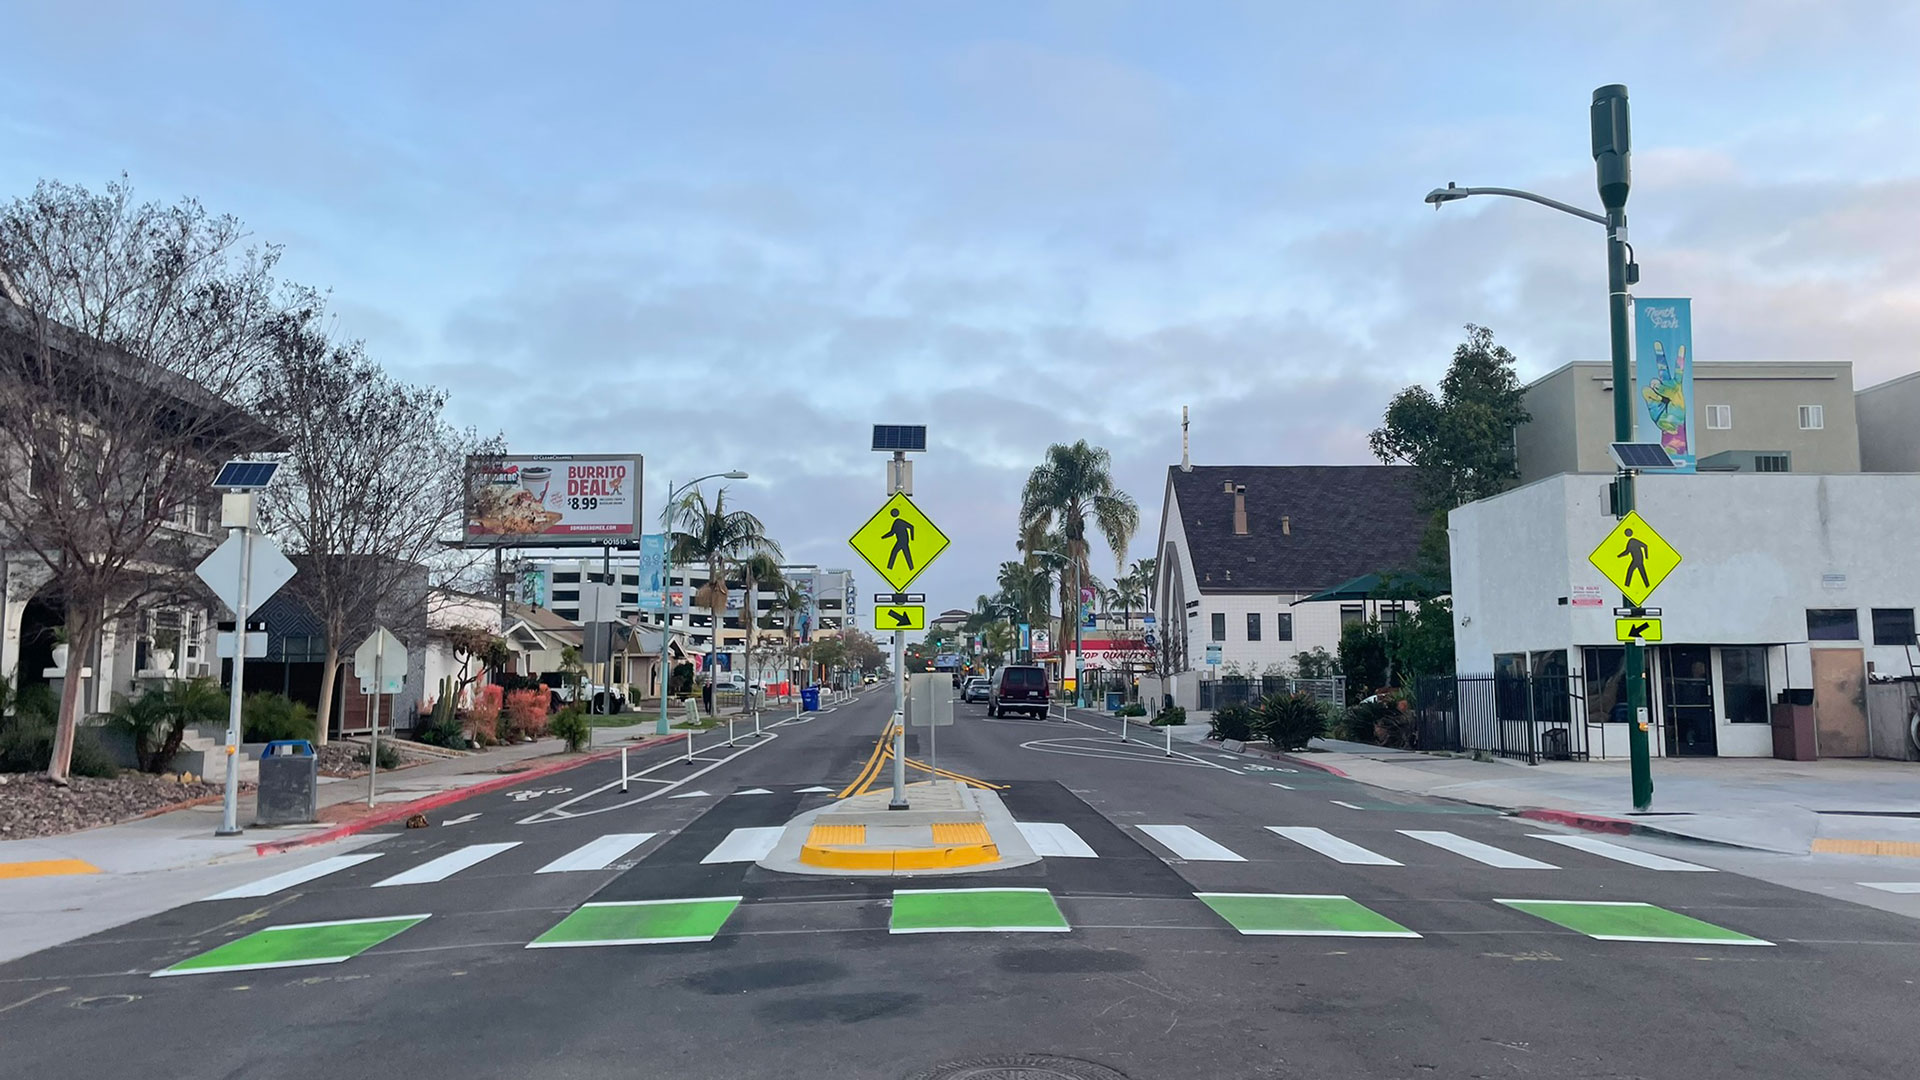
{"points": [[1893, 886], [1646, 860], [1331, 846], [1189, 843], [447, 865], [1051, 839], [1473, 849], [745, 845], [267, 886], [596, 854]]}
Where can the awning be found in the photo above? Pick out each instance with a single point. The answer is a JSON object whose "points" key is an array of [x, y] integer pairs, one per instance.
{"points": [[1392, 585]]}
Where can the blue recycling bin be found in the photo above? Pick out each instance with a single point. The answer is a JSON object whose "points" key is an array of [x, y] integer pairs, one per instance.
{"points": [[810, 698], [1115, 699]]}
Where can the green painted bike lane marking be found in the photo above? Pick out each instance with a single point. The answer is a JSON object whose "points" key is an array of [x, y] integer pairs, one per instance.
{"points": [[1630, 921], [951, 911], [1301, 915], [639, 922], [295, 945]]}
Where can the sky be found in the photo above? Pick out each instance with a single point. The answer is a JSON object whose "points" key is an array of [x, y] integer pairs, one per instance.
{"points": [[732, 235]]}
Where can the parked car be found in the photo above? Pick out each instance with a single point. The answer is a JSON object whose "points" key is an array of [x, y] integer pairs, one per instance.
{"points": [[1019, 687], [869, 679], [597, 698], [977, 688]]}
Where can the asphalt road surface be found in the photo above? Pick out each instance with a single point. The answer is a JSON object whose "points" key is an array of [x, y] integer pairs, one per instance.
{"points": [[1220, 916]]}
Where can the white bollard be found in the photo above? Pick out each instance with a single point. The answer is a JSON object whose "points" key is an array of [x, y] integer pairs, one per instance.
{"points": [[729, 729], [623, 770], [1169, 728], [689, 746]]}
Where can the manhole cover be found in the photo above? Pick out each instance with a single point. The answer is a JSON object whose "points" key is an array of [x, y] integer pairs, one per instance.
{"points": [[1020, 1067]]}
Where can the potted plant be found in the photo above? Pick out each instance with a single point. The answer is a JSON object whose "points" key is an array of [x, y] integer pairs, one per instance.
{"points": [[166, 645], [60, 648]]}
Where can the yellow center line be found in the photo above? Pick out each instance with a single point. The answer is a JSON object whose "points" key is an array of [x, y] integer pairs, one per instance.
{"points": [[872, 765]]}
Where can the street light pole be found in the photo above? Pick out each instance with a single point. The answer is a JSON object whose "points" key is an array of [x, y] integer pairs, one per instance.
{"points": [[1612, 162], [666, 587]]}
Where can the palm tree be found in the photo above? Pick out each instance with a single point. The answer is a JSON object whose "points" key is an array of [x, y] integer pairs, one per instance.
{"points": [[722, 539], [784, 612], [757, 569], [1147, 573], [1075, 484], [1128, 594]]}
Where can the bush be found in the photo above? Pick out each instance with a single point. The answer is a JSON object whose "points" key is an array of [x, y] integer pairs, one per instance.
{"points": [[389, 755], [1171, 716], [266, 716], [526, 714], [1289, 720], [571, 724], [26, 745], [483, 720], [1132, 708], [1361, 722], [682, 680], [1234, 722]]}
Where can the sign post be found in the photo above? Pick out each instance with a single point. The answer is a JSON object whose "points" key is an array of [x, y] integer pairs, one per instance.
{"points": [[899, 541], [381, 664]]}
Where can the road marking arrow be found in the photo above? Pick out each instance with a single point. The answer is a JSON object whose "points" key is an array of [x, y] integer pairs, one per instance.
{"points": [[461, 820]]}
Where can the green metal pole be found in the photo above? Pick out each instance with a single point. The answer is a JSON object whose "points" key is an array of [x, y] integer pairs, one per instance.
{"points": [[1612, 155]]}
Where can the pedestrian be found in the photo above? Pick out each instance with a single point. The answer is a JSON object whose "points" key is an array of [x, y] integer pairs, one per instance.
{"points": [[706, 696]]}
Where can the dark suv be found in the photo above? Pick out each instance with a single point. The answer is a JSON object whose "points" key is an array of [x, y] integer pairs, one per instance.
{"points": [[1018, 688]]}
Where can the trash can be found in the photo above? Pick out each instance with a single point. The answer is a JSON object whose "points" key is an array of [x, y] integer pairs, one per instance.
{"points": [[810, 698], [1793, 730], [1115, 699], [289, 784], [1556, 744]]}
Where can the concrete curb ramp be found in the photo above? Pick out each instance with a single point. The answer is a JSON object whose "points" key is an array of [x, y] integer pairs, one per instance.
{"points": [[949, 828]]}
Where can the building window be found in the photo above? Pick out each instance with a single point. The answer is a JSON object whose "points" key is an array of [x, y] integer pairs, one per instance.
{"points": [[1219, 626], [1283, 626], [568, 576], [1833, 624], [1605, 678], [1772, 463], [1720, 417], [1813, 417], [1743, 677], [1351, 614], [1893, 626], [1253, 626]]}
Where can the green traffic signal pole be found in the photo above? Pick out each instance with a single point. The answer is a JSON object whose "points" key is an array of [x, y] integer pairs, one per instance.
{"points": [[1612, 146]]}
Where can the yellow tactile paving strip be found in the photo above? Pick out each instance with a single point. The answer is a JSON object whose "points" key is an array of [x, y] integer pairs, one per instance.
{"points": [[962, 832], [837, 834], [47, 868], [1838, 845]]}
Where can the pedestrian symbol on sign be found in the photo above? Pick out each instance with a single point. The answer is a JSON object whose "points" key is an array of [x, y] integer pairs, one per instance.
{"points": [[1635, 557], [1636, 553], [902, 533]]}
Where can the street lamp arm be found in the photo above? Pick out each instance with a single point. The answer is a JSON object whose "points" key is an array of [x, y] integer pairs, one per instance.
{"points": [[1450, 193]]}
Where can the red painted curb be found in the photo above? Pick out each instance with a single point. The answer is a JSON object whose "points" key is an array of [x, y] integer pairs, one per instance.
{"points": [[1579, 820], [448, 797], [1304, 763]]}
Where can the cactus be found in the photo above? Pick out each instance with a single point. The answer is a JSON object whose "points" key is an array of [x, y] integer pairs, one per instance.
{"points": [[443, 708]]}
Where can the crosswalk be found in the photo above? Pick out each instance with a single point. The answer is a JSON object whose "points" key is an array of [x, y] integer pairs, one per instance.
{"points": [[1177, 843]]}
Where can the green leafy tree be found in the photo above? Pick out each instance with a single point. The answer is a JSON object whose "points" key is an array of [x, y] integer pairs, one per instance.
{"points": [[1461, 442]]}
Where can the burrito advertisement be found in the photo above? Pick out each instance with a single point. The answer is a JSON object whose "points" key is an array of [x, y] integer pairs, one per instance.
{"points": [[555, 500]]}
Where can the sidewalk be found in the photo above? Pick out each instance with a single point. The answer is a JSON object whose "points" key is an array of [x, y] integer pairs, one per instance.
{"points": [[84, 882], [1794, 807]]}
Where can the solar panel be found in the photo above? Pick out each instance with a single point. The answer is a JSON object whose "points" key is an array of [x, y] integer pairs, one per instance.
{"points": [[900, 437], [1638, 455], [245, 475]]}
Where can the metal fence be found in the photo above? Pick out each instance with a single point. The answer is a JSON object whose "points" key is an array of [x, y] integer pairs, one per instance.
{"points": [[1241, 690], [1532, 718]]}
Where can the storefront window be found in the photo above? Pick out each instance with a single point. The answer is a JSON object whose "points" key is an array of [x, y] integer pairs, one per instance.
{"points": [[1743, 677], [1606, 672]]}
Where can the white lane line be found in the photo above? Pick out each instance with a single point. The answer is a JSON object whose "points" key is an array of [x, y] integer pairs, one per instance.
{"points": [[689, 795], [1177, 753], [812, 790], [1893, 886], [560, 812], [754, 791], [596, 854], [1477, 851], [1278, 784], [1593, 845], [1348, 805], [1189, 843], [746, 845], [267, 886], [1331, 846], [447, 865], [1052, 839]]}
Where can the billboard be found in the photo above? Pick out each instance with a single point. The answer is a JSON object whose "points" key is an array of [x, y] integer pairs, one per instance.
{"points": [[1663, 378], [653, 566], [805, 583], [553, 499]]}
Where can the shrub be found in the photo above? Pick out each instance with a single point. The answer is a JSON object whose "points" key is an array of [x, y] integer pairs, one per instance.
{"points": [[483, 720], [1132, 708], [1360, 722], [682, 680], [389, 755], [526, 714], [1235, 721], [1171, 716], [1289, 720], [571, 724], [26, 745], [266, 716]]}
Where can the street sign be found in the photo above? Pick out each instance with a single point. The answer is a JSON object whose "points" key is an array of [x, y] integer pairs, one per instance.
{"points": [[267, 571], [382, 650], [1213, 652], [256, 645], [899, 541], [1635, 558], [1636, 630], [899, 617], [1042, 641]]}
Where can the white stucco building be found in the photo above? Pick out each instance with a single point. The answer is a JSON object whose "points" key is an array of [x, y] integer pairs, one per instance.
{"points": [[1789, 582]]}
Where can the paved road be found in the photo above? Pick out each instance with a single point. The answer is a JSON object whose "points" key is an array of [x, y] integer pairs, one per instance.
{"points": [[1389, 937]]}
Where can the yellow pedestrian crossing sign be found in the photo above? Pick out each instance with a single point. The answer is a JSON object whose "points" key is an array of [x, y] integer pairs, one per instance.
{"points": [[1635, 558], [899, 541], [900, 617]]}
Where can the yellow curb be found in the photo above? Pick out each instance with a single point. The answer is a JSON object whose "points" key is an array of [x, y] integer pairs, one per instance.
{"points": [[1835, 845], [930, 858], [47, 868]]}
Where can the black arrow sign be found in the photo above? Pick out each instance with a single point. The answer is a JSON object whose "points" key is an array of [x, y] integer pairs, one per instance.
{"points": [[1636, 630], [901, 618]]}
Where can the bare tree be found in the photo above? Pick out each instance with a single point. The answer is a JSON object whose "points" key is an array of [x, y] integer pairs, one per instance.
{"points": [[374, 487], [131, 336]]}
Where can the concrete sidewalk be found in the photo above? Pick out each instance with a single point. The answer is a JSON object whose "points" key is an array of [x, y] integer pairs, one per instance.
{"points": [[1794, 807]]}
